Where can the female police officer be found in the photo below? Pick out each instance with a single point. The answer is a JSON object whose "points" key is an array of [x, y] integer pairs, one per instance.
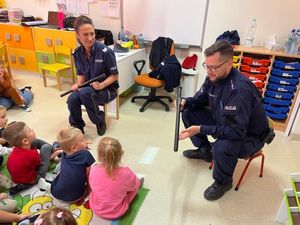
{"points": [[92, 59]]}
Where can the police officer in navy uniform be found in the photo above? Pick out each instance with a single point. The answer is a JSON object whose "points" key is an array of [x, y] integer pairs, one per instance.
{"points": [[230, 109], [92, 59]]}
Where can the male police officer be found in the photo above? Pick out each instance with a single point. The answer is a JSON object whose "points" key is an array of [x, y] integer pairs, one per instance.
{"points": [[229, 108], [92, 59]]}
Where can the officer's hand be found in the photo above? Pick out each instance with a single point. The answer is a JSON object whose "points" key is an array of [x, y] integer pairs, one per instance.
{"points": [[75, 87], [183, 102], [189, 132], [97, 85]]}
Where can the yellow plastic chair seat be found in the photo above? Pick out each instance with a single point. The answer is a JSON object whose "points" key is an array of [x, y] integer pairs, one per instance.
{"points": [[55, 67], [147, 81]]}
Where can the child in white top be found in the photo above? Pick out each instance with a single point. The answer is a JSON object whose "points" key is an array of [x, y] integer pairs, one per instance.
{"points": [[113, 186]]}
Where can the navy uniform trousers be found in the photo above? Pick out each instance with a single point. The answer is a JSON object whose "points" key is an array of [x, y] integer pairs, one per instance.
{"points": [[225, 152], [91, 100]]}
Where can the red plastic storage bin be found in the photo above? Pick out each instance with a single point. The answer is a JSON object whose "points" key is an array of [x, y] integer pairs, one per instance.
{"points": [[254, 76], [256, 62], [251, 69]]}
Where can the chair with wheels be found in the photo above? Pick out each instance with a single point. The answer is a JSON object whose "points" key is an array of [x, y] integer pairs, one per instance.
{"points": [[63, 62], [161, 48], [258, 154]]}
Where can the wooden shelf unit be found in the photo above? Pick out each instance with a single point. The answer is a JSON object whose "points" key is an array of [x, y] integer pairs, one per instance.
{"points": [[260, 51]]}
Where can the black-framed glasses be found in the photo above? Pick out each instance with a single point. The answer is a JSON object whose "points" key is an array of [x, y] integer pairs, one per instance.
{"points": [[213, 68]]}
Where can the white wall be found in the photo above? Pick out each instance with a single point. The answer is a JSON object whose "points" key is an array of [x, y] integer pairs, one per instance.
{"points": [[41, 7]]}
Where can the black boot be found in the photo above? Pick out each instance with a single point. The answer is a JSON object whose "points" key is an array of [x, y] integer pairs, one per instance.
{"points": [[200, 153]]}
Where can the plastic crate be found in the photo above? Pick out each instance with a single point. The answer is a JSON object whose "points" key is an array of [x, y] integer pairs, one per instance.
{"points": [[284, 81], [235, 65], [254, 76], [281, 88], [261, 70], [286, 73], [283, 65], [256, 62], [276, 109], [280, 95], [277, 116], [236, 58], [258, 83], [277, 102]]}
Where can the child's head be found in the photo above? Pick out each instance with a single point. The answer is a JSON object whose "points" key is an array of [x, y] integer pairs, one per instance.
{"points": [[57, 216], [3, 116], [109, 153], [71, 140], [19, 134]]}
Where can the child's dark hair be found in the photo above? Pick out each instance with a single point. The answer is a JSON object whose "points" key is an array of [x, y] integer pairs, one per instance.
{"points": [[109, 154], [57, 216], [14, 133]]}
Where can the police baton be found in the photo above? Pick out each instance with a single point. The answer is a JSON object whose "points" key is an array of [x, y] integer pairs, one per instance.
{"points": [[87, 83], [177, 123]]}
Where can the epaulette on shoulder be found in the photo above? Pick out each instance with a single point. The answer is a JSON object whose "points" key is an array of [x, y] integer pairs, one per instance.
{"points": [[75, 50]]}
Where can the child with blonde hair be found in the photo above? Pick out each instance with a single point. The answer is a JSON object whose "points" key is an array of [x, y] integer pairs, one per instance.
{"points": [[113, 186], [71, 183]]}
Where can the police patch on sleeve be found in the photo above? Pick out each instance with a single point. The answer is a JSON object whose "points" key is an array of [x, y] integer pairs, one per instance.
{"points": [[230, 109], [104, 50]]}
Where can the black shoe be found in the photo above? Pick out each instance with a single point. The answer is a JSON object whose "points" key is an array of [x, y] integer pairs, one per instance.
{"points": [[101, 128], [216, 191], [18, 188], [200, 153], [80, 128]]}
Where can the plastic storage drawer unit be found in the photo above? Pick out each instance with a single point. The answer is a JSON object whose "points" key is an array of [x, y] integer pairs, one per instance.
{"points": [[279, 102], [254, 69], [256, 62], [253, 76], [290, 66], [284, 81], [274, 109], [282, 88], [285, 73], [277, 116], [280, 95]]}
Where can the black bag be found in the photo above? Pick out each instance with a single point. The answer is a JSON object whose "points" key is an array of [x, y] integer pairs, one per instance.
{"points": [[69, 22], [230, 36]]}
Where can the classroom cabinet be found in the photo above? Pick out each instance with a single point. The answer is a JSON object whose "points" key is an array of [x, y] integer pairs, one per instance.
{"points": [[46, 39], [22, 59], [276, 75]]}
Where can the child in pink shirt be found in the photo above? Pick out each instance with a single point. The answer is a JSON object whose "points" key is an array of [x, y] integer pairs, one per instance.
{"points": [[113, 186]]}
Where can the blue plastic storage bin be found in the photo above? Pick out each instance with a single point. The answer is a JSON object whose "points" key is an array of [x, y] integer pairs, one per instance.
{"points": [[284, 81], [275, 109], [276, 101], [280, 95], [289, 66], [286, 73], [282, 88], [277, 116]]}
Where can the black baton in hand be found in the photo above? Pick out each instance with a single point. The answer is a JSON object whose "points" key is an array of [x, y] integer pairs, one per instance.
{"points": [[177, 123], [84, 84]]}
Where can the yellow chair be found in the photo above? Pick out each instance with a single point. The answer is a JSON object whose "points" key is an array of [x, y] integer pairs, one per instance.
{"points": [[105, 108], [63, 62], [3, 57]]}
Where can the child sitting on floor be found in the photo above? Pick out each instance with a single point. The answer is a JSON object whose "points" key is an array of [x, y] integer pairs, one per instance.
{"points": [[58, 216], [7, 204], [26, 164], [71, 183], [9, 90], [113, 186], [7, 217]]}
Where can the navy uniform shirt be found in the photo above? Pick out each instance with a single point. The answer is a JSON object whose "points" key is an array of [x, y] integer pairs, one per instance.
{"points": [[236, 105], [70, 183], [102, 62]]}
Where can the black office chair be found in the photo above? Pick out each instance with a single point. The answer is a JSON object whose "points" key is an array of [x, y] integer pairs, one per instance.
{"points": [[161, 48]]}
